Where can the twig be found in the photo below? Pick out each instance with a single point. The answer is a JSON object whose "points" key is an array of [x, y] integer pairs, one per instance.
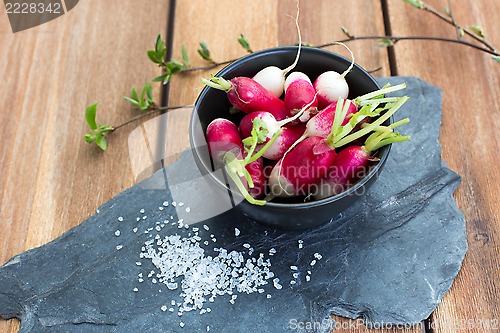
{"points": [[150, 112], [458, 29], [396, 39], [466, 31]]}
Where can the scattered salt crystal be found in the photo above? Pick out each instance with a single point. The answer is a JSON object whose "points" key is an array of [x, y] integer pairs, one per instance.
{"points": [[171, 310], [160, 208], [272, 251], [206, 227], [172, 302], [120, 219], [144, 217], [246, 245], [138, 263], [294, 268], [295, 275], [293, 282], [195, 229], [301, 241], [165, 203], [136, 290], [181, 324], [142, 211], [301, 245], [313, 263], [268, 296], [117, 233], [205, 242], [134, 230], [141, 280], [164, 308], [208, 328], [158, 228], [236, 232], [137, 219], [188, 209], [181, 204], [209, 310], [174, 203], [119, 247], [318, 256], [309, 272], [308, 278], [98, 211]]}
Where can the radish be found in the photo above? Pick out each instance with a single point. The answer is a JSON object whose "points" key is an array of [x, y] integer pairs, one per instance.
{"points": [[321, 124], [352, 163], [248, 95], [299, 92], [331, 85], [302, 168], [226, 149], [289, 135], [273, 78], [222, 137], [256, 171]]}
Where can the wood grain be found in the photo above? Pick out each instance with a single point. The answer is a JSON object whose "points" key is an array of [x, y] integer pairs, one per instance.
{"points": [[470, 81], [51, 179]]}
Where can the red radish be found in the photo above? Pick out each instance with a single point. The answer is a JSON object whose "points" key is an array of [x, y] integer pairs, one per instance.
{"points": [[248, 95], [268, 120], [299, 92], [222, 137], [226, 149], [352, 163], [301, 169], [256, 171], [350, 116], [289, 135], [273, 78], [331, 85]]}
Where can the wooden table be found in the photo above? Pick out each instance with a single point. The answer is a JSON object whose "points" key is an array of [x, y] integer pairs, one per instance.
{"points": [[52, 180]]}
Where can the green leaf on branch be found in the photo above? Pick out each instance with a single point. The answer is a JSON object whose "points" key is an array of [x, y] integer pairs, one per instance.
{"points": [[496, 58], [385, 42], [145, 100], [478, 30], [158, 54], [90, 114], [346, 32], [204, 52], [185, 57], [415, 3], [98, 131], [244, 43]]}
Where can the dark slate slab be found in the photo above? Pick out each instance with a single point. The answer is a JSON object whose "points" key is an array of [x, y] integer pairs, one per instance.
{"points": [[389, 259]]}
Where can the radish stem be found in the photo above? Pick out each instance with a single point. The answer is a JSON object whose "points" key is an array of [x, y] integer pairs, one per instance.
{"points": [[379, 92], [218, 83], [370, 127], [264, 149], [292, 66]]}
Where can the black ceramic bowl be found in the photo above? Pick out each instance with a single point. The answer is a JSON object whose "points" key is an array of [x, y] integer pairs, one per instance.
{"points": [[212, 103]]}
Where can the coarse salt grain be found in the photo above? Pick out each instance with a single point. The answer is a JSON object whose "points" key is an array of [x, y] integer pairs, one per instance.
{"points": [[120, 219], [165, 203], [188, 209], [119, 247], [293, 268], [313, 263], [318, 256], [117, 233], [142, 211], [236, 232], [136, 290]]}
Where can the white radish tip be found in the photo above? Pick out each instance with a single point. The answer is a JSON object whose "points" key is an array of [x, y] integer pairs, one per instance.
{"points": [[331, 86], [296, 76], [271, 78]]}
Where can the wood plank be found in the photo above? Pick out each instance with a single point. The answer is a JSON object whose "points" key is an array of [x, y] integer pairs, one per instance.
{"points": [[51, 179], [470, 137]]}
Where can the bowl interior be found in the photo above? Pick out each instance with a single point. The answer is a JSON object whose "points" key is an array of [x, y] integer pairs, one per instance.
{"points": [[212, 103]]}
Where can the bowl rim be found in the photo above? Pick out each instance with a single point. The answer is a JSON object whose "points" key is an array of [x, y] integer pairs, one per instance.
{"points": [[277, 205]]}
